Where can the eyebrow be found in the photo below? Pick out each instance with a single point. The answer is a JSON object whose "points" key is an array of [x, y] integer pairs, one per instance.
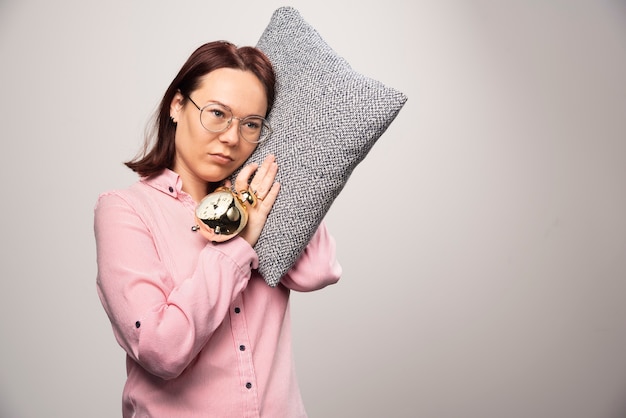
{"points": [[231, 109]]}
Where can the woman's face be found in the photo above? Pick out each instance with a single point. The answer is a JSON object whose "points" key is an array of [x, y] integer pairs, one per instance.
{"points": [[203, 156]]}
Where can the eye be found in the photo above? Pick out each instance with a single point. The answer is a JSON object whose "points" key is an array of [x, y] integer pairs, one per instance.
{"points": [[252, 124], [216, 113]]}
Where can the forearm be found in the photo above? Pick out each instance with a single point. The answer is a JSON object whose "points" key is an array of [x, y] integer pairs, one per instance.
{"points": [[163, 321], [317, 266]]}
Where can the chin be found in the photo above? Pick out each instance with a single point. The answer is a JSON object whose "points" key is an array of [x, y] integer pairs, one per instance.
{"points": [[216, 177]]}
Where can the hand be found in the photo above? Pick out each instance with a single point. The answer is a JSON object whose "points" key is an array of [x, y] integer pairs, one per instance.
{"points": [[264, 186]]}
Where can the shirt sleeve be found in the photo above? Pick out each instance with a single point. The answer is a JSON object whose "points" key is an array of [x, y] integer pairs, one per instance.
{"points": [[317, 266], [160, 324]]}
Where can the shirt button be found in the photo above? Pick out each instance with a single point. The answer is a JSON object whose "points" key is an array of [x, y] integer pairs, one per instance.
{"points": [[242, 348], [171, 189], [237, 310], [249, 385]]}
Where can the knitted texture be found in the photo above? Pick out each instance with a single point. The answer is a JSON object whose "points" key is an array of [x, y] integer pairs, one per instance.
{"points": [[325, 119]]}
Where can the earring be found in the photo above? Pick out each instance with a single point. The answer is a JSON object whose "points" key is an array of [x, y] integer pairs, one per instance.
{"points": [[173, 121]]}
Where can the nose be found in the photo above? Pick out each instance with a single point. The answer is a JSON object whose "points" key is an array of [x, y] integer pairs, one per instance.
{"points": [[231, 134]]}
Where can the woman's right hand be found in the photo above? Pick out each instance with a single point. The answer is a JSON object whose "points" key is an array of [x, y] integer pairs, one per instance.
{"points": [[264, 186]]}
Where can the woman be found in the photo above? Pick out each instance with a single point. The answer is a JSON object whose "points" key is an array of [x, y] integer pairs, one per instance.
{"points": [[205, 336]]}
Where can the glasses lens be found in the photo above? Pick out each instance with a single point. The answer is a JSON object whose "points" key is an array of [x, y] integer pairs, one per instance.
{"points": [[254, 129], [215, 117]]}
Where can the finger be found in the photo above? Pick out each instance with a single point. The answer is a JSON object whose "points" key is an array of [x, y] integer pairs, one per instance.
{"points": [[266, 183], [258, 215], [268, 201], [263, 170], [263, 179], [241, 182]]}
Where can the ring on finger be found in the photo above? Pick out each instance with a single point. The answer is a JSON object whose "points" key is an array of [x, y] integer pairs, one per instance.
{"points": [[257, 194]]}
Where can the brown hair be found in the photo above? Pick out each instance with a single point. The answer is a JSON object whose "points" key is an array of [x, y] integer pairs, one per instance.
{"points": [[159, 151]]}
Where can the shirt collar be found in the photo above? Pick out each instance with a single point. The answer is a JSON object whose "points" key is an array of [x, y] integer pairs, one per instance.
{"points": [[167, 182]]}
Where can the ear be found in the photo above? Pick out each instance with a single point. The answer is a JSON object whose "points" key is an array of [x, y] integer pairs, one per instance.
{"points": [[176, 106]]}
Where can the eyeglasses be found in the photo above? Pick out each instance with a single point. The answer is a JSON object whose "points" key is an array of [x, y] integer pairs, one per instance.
{"points": [[216, 117]]}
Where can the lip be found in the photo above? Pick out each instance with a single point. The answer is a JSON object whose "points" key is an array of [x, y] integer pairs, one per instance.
{"points": [[221, 158]]}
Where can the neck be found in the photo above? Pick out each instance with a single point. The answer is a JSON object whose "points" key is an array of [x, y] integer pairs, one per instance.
{"points": [[193, 186]]}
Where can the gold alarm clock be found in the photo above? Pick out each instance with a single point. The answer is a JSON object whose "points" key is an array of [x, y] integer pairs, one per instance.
{"points": [[222, 214]]}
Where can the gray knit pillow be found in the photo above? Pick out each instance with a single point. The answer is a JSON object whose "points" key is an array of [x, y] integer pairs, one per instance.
{"points": [[325, 119]]}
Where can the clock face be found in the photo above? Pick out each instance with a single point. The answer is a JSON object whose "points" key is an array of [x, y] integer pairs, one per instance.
{"points": [[222, 213], [215, 205]]}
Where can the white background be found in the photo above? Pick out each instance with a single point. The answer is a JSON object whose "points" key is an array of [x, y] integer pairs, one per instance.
{"points": [[494, 285]]}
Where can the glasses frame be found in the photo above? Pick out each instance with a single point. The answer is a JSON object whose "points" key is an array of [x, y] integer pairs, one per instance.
{"points": [[232, 116]]}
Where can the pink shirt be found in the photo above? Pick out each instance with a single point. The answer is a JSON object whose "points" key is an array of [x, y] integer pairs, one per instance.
{"points": [[205, 336]]}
